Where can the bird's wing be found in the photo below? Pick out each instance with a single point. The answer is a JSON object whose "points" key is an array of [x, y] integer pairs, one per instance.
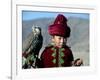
{"points": [[36, 44]]}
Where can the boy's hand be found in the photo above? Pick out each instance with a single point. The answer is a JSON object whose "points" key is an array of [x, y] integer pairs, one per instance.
{"points": [[78, 62]]}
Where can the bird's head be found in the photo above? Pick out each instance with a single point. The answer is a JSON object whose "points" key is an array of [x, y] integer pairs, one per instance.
{"points": [[36, 30]]}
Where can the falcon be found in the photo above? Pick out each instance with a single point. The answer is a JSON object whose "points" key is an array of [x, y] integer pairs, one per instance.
{"points": [[31, 48]]}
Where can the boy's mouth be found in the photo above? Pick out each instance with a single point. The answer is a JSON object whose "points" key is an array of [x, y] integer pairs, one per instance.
{"points": [[60, 45]]}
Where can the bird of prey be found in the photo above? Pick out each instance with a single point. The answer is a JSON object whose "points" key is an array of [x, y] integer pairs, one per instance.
{"points": [[31, 48]]}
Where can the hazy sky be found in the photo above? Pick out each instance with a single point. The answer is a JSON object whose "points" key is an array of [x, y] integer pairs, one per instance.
{"points": [[29, 15]]}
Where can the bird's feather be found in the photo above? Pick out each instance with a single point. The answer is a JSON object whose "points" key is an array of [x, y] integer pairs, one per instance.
{"points": [[32, 46]]}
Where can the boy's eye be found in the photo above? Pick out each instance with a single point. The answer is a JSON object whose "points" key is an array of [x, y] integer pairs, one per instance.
{"points": [[59, 38]]}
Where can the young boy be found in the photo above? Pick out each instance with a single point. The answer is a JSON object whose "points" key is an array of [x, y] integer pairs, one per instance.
{"points": [[58, 54]]}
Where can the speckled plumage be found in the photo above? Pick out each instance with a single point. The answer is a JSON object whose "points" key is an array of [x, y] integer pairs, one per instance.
{"points": [[31, 47]]}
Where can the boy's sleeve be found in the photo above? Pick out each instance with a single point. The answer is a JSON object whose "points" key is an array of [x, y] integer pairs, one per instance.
{"points": [[71, 56], [41, 64]]}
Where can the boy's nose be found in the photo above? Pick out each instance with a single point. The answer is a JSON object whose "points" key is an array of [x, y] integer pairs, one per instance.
{"points": [[62, 40]]}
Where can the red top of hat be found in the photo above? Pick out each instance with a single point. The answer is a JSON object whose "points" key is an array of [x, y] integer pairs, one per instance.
{"points": [[59, 27], [61, 19]]}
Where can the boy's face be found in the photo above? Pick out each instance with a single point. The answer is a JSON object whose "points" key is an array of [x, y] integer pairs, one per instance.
{"points": [[59, 41]]}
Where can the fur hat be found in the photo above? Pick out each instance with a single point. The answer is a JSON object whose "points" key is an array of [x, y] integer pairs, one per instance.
{"points": [[59, 27]]}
